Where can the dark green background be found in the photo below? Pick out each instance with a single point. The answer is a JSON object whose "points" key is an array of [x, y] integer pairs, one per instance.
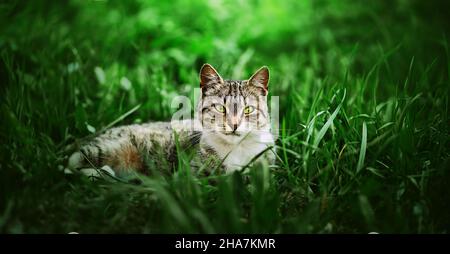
{"points": [[363, 89]]}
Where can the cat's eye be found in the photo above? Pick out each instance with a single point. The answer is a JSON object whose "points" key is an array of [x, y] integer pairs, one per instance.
{"points": [[249, 110], [219, 108]]}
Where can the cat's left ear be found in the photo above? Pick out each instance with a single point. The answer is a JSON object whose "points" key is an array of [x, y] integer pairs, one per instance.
{"points": [[209, 77], [260, 79]]}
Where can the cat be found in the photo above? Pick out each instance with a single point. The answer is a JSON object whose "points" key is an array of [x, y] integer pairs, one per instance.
{"points": [[231, 131]]}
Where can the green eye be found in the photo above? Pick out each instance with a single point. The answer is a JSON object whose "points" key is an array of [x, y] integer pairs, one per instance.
{"points": [[219, 108], [249, 110]]}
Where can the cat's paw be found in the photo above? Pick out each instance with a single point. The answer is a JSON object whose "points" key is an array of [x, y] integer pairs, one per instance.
{"points": [[97, 173], [92, 173], [75, 161]]}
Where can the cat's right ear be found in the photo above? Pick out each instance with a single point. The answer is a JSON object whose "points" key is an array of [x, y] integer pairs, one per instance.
{"points": [[209, 77]]}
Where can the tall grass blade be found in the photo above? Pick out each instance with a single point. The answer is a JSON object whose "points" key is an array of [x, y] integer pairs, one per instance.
{"points": [[362, 152]]}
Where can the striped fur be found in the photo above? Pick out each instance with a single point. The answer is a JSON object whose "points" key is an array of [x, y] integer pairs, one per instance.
{"points": [[226, 140]]}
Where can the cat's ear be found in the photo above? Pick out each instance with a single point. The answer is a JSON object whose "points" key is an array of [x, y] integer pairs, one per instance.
{"points": [[209, 77], [260, 79]]}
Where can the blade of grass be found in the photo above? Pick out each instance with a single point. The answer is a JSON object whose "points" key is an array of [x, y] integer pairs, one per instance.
{"points": [[362, 152], [327, 125]]}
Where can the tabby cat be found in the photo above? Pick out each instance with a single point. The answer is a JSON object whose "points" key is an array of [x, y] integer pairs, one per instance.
{"points": [[231, 130]]}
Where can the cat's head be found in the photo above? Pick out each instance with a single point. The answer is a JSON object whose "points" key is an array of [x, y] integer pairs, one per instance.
{"points": [[234, 109]]}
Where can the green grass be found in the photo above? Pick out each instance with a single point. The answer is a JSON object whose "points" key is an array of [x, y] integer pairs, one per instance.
{"points": [[363, 88]]}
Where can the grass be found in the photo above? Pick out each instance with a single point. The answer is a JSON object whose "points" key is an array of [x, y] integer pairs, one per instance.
{"points": [[363, 90]]}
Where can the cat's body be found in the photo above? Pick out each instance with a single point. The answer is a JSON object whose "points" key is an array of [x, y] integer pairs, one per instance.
{"points": [[231, 131]]}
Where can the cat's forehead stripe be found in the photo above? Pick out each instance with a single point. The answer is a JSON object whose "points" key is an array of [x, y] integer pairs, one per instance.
{"points": [[234, 88]]}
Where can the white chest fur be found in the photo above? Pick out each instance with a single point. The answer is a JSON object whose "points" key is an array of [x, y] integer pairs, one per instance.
{"points": [[239, 154]]}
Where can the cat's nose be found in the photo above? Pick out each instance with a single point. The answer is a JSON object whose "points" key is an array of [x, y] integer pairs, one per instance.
{"points": [[234, 123]]}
